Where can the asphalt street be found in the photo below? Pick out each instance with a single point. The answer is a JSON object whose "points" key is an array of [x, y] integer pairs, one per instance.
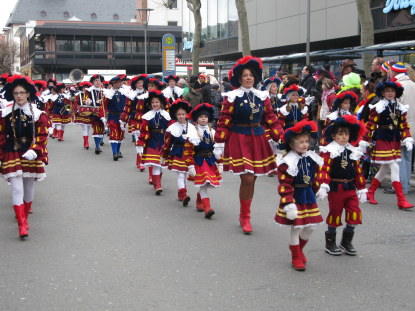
{"points": [[101, 240]]}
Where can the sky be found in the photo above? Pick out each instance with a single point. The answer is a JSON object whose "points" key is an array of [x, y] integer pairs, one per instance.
{"points": [[7, 7]]}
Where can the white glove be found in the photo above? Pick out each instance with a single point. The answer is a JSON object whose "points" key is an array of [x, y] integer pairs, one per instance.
{"points": [[409, 145], [274, 146], [192, 171], [184, 136], [362, 195], [139, 150], [50, 130], [104, 121], [309, 100], [122, 125], [30, 155], [322, 192], [220, 167], [218, 150], [363, 146], [162, 161], [291, 211], [88, 101], [137, 133]]}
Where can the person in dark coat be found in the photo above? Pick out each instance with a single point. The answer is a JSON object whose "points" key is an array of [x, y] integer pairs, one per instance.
{"points": [[308, 82]]}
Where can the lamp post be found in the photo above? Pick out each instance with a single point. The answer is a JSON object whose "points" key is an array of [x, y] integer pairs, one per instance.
{"points": [[144, 15]]}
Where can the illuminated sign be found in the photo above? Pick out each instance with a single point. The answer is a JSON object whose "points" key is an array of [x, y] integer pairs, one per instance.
{"points": [[399, 5]]}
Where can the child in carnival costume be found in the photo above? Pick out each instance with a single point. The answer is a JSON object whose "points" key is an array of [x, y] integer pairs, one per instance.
{"points": [[175, 141], [297, 186], [151, 140], [341, 179], [295, 108], [201, 159], [388, 125]]}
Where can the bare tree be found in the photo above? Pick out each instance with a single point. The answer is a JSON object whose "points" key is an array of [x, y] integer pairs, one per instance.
{"points": [[194, 6], [243, 23], [367, 36], [9, 53]]}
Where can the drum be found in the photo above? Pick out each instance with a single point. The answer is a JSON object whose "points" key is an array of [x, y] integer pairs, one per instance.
{"points": [[86, 111]]}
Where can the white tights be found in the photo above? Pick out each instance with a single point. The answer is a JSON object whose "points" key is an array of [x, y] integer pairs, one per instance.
{"points": [[181, 179], [23, 189], [394, 167], [85, 129], [60, 127], [203, 192], [156, 170], [296, 233]]}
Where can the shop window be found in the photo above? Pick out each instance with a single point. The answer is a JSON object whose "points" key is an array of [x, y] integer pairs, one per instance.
{"points": [[154, 47], [64, 45]]}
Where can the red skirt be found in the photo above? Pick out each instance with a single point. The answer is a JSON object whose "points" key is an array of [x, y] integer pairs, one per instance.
{"points": [[207, 175], [61, 119], [308, 215], [133, 125], [97, 128], [248, 154], [151, 157], [82, 120], [177, 164], [14, 165], [386, 152]]}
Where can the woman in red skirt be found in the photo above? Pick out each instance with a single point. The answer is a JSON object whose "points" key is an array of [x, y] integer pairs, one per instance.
{"points": [[175, 140], [152, 129], [387, 124], [200, 158], [240, 138], [23, 139]]}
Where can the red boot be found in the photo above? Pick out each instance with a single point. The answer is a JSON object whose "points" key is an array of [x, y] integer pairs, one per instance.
{"points": [[27, 211], [60, 135], [371, 191], [86, 142], [302, 244], [182, 195], [297, 262], [21, 220], [199, 203], [138, 161], [157, 184], [55, 133], [150, 175], [402, 202], [209, 212], [245, 216]]}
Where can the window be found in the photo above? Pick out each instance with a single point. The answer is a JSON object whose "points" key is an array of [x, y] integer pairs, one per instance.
{"points": [[66, 14], [93, 15], [43, 13], [100, 45], [171, 23], [83, 45], [122, 45], [64, 45], [116, 16], [212, 33], [222, 18], [154, 47]]}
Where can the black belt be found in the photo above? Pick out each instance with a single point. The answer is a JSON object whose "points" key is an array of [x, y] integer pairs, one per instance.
{"points": [[388, 127], [21, 139], [343, 181], [203, 153], [116, 113], [301, 185], [160, 131]]}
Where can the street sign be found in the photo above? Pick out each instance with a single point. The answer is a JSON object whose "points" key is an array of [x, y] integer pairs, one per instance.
{"points": [[168, 45]]}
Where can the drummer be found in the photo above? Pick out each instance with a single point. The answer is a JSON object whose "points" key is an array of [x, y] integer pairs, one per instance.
{"points": [[94, 98], [83, 111]]}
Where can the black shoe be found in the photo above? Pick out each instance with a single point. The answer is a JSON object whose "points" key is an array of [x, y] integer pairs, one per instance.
{"points": [[98, 150], [120, 155], [331, 247], [346, 244], [115, 156], [101, 143]]}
